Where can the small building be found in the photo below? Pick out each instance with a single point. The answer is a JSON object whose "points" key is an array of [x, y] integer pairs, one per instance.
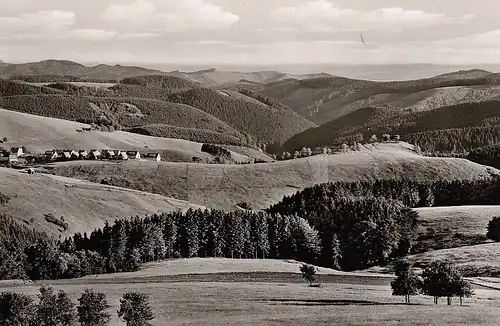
{"points": [[83, 154], [13, 158], [75, 155], [4, 156], [18, 151], [108, 154], [153, 157], [94, 154], [51, 155], [121, 155], [134, 155], [64, 155]]}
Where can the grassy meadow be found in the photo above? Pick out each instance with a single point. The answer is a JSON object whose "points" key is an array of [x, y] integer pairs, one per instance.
{"points": [[284, 300]]}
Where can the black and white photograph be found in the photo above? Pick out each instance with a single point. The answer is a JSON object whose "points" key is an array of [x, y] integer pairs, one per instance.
{"points": [[249, 162]]}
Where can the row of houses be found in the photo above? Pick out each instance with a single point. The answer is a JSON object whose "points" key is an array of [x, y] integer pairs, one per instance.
{"points": [[96, 154], [19, 155]]}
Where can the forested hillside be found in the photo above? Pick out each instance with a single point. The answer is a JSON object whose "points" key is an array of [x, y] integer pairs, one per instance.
{"points": [[456, 128], [324, 99], [118, 113]]}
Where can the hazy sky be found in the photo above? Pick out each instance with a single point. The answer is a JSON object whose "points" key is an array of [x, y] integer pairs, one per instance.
{"points": [[251, 31]]}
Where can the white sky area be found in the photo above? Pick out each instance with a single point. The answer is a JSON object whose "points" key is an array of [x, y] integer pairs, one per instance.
{"points": [[251, 32]]}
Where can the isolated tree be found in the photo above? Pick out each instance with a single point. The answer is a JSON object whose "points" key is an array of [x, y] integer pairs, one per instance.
{"points": [[336, 253], [4, 139], [443, 280], [462, 288], [54, 309], [92, 309], [308, 273], [407, 283], [427, 197], [16, 309], [494, 229], [135, 309]]}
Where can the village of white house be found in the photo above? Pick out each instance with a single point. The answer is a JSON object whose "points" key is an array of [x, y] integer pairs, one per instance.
{"points": [[20, 157]]}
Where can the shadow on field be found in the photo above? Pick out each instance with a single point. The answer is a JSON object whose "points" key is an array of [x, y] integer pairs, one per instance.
{"points": [[310, 302]]}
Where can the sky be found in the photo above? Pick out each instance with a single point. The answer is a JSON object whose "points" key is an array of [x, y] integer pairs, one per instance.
{"points": [[251, 32]]}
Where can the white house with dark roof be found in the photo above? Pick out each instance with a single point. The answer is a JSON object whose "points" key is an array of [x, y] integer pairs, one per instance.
{"points": [[94, 154], [18, 151], [51, 155], [133, 155], [153, 157], [121, 155], [83, 154], [108, 154]]}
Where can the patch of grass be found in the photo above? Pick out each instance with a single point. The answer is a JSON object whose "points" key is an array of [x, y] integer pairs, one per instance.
{"points": [[240, 303], [449, 227]]}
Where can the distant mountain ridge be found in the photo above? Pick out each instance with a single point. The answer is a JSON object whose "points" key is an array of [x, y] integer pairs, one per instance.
{"points": [[69, 68], [212, 77]]}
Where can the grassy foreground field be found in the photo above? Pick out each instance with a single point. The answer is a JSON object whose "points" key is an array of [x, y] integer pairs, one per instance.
{"points": [[222, 186], [286, 301]]}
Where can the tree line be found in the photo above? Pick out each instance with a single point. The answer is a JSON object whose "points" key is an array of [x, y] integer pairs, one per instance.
{"points": [[57, 309], [411, 193], [127, 243]]}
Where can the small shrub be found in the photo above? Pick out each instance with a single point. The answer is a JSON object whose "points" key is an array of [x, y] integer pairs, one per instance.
{"points": [[59, 222], [4, 199], [308, 273], [244, 205], [494, 229]]}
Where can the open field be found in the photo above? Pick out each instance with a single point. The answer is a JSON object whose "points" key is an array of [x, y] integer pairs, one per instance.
{"points": [[285, 303], [222, 186], [448, 227], [84, 205], [476, 260], [39, 134]]}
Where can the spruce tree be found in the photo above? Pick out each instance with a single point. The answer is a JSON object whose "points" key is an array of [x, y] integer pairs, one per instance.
{"points": [[16, 309], [407, 283], [92, 309], [135, 309]]}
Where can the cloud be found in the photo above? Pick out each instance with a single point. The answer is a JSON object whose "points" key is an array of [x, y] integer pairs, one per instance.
{"points": [[41, 22], [323, 15], [490, 39], [168, 15], [89, 34], [49, 25], [137, 36]]}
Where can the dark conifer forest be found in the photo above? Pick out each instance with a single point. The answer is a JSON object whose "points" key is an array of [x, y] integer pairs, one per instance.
{"points": [[343, 225]]}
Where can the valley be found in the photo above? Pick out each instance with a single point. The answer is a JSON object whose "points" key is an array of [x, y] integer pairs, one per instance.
{"points": [[249, 166]]}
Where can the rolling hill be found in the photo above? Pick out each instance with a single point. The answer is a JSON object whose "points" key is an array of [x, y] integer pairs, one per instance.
{"points": [[66, 68], [223, 186], [124, 112], [39, 134], [84, 205], [324, 99], [265, 122], [459, 127], [215, 78]]}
